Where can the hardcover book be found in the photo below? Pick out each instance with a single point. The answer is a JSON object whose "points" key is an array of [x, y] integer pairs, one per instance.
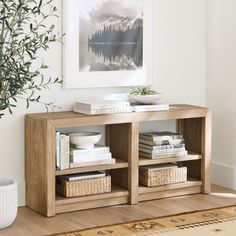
{"points": [[88, 111], [81, 158], [90, 175], [160, 142], [154, 107], [93, 163], [97, 149], [102, 104], [155, 156], [160, 136], [163, 151], [161, 147]]}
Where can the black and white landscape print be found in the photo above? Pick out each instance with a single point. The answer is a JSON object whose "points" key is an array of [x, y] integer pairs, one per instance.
{"points": [[110, 35]]}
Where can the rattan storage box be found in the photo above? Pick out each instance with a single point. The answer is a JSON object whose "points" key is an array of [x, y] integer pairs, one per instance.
{"points": [[156, 177], [84, 187]]}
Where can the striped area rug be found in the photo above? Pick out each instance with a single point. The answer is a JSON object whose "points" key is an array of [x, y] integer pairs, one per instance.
{"points": [[215, 222]]}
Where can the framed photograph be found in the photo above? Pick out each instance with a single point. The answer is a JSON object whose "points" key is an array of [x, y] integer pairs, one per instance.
{"points": [[108, 43]]}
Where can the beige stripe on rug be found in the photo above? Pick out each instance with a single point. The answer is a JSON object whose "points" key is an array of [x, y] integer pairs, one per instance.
{"points": [[217, 222]]}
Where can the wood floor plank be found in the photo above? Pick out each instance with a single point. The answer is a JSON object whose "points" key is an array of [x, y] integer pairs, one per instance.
{"points": [[30, 223]]}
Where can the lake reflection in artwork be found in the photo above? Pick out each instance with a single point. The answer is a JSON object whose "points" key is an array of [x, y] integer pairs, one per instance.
{"points": [[111, 35]]}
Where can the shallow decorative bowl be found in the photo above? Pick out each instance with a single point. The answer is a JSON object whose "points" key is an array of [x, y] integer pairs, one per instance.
{"points": [[85, 140], [145, 99]]}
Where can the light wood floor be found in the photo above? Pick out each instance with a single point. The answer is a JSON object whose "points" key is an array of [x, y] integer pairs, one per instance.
{"points": [[29, 223]]}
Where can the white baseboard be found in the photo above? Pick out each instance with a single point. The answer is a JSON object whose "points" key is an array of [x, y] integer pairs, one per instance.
{"points": [[21, 192], [223, 175]]}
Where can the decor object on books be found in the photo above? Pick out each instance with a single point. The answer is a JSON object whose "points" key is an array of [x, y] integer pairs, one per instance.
{"points": [[8, 202], [108, 43], [85, 140], [162, 174], [144, 95], [83, 187], [24, 32]]}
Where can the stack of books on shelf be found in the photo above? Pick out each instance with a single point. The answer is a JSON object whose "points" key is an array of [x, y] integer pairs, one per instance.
{"points": [[102, 107], [151, 107], [161, 145], [86, 157]]}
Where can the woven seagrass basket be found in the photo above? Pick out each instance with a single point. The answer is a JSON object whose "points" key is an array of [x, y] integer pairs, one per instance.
{"points": [[84, 187], [155, 177]]}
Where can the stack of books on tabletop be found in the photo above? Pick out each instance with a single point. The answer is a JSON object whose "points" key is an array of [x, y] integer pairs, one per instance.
{"points": [[161, 145], [86, 157], [102, 107]]}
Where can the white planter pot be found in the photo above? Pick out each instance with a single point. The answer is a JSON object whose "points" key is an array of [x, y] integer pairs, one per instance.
{"points": [[8, 202]]}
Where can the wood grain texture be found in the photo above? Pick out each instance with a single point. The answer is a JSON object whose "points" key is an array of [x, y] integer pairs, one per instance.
{"points": [[133, 175], [169, 193], [122, 137], [206, 151], [40, 166]]}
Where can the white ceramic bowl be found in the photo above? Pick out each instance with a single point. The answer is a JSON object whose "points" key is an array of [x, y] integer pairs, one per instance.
{"points": [[85, 140], [145, 99]]}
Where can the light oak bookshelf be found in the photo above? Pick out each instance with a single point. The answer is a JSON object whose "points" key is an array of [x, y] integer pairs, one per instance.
{"points": [[122, 136]]}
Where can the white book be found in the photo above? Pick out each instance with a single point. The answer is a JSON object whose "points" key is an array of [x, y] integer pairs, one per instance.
{"points": [[64, 151], [85, 158], [151, 156], [93, 163], [161, 142], [163, 151], [101, 104], [97, 149], [90, 175], [161, 147], [160, 136], [154, 107], [58, 161], [102, 111]]}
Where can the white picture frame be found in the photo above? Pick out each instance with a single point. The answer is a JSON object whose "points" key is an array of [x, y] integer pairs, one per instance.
{"points": [[74, 78]]}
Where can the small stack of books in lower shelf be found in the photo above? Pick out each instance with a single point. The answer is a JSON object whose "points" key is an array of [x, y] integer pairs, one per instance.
{"points": [[161, 145]]}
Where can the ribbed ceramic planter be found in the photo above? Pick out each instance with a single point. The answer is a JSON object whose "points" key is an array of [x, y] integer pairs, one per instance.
{"points": [[8, 202]]}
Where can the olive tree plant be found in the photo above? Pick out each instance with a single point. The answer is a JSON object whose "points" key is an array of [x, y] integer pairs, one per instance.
{"points": [[24, 32]]}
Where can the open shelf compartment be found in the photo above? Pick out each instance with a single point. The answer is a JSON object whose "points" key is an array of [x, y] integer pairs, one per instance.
{"points": [[170, 190], [117, 196]]}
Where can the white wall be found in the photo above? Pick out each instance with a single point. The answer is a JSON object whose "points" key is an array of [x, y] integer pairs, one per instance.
{"points": [[180, 76], [221, 86]]}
